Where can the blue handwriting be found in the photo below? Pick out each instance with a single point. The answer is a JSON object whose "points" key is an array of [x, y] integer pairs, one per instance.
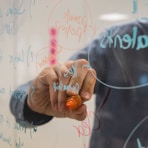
{"points": [[23, 127], [16, 10], [133, 131], [19, 143], [25, 56], [135, 7], [5, 139], [62, 87], [1, 119], [16, 59], [7, 28], [2, 90], [139, 144], [127, 41], [72, 71]]}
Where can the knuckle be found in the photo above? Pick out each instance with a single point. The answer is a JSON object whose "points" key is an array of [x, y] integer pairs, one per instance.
{"points": [[44, 72], [93, 72], [70, 62], [83, 61], [81, 117], [54, 79], [77, 79]]}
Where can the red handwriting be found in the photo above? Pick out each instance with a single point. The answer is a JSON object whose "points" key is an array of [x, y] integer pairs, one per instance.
{"points": [[74, 25], [42, 58], [84, 145], [71, 24], [85, 128]]}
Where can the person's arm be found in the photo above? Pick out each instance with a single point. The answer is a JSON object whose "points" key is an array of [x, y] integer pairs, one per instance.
{"points": [[20, 109], [38, 101]]}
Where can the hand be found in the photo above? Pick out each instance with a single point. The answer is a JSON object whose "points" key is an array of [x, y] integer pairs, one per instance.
{"points": [[51, 88]]}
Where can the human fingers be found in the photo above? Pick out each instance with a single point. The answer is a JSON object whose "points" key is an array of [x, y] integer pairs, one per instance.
{"points": [[62, 85], [50, 78], [87, 88], [78, 114], [76, 80]]}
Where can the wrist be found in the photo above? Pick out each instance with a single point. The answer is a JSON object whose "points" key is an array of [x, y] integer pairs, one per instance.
{"points": [[34, 117]]}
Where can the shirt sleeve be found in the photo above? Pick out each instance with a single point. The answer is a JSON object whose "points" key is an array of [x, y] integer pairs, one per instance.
{"points": [[22, 113]]}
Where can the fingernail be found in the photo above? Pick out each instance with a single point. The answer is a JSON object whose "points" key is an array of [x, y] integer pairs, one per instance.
{"points": [[86, 95]]}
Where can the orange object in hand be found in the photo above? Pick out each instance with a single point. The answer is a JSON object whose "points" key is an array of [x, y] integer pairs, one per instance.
{"points": [[73, 102]]}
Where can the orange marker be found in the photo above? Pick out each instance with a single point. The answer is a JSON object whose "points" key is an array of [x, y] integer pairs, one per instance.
{"points": [[73, 102]]}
